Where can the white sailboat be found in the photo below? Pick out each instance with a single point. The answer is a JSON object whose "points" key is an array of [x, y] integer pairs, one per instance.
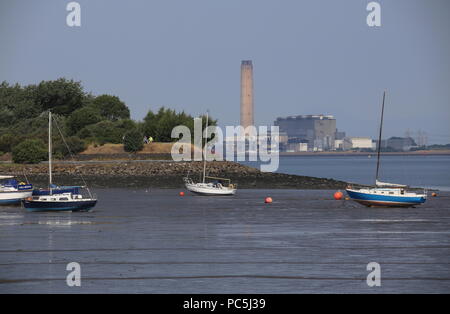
{"points": [[214, 186]]}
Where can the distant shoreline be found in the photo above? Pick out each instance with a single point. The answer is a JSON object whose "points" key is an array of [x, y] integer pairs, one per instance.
{"points": [[350, 153]]}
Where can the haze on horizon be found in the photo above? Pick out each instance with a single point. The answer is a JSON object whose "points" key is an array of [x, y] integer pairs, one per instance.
{"points": [[309, 57]]}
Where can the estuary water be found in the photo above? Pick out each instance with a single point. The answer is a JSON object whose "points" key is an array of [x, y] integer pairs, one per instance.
{"points": [[155, 241], [430, 171]]}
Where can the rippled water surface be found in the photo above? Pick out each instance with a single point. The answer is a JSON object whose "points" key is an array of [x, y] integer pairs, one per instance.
{"points": [[155, 241], [430, 171]]}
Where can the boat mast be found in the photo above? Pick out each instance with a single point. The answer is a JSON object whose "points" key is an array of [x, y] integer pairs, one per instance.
{"points": [[50, 151], [204, 149], [379, 139]]}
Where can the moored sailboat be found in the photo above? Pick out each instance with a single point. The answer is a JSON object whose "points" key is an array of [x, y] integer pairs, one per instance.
{"points": [[58, 198], [385, 194], [214, 186], [12, 191]]}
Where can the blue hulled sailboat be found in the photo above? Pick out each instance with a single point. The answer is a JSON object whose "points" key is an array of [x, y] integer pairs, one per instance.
{"points": [[58, 198], [385, 194]]}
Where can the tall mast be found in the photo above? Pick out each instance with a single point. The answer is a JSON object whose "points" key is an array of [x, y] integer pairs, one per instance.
{"points": [[204, 149], [50, 150], [379, 139]]}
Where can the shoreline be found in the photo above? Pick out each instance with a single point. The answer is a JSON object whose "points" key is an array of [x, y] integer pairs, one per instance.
{"points": [[163, 174], [413, 153]]}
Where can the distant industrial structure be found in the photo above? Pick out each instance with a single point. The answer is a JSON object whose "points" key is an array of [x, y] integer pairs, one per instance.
{"points": [[302, 133], [309, 132], [247, 93], [399, 144]]}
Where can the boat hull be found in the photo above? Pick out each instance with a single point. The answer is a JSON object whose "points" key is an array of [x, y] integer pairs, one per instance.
{"points": [[210, 191], [373, 200], [13, 197], [81, 205]]}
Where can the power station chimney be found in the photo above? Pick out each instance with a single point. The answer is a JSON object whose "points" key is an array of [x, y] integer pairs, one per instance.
{"points": [[246, 93]]}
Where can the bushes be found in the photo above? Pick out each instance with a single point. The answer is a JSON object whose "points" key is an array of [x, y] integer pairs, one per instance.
{"points": [[81, 118], [133, 141], [29, 152], [7, 141], [160, 125], [75, 144], [111, 107], [107, 131]]}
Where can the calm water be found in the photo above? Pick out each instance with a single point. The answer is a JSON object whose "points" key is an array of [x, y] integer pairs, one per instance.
{"points": [[420, 171], [156, 241]]}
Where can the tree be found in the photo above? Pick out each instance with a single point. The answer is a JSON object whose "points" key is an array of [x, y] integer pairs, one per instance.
{"points": [[107, 131], [76, 145], [82, 117], [15, 104], [160, 125], [29, 152], [7, 141], [133, 141], [111, 107], [61, 96]]}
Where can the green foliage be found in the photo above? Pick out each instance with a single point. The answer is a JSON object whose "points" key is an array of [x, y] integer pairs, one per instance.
{"points": [[111, 107], [30, 151], [133, 141], [108, 131], [76, 145], [7, 142], [81, 118], [160, 125], [61, 96]]}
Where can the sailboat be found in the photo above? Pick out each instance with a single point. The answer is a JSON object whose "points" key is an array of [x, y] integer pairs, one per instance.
{"points": [[12, 191], [385, 194], [58, 198], [214, 186]]}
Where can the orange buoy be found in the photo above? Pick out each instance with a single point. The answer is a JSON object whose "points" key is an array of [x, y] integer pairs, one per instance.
{"points": [[347, 198], [268, 200], [338, 195], [434, 194], [181, 193]]}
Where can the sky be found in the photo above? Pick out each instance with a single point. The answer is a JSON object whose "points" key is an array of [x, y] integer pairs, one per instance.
{"points": [[309, 57]]}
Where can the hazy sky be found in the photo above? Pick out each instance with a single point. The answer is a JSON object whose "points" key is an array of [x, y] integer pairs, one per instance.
{"points": [[309, 57]]}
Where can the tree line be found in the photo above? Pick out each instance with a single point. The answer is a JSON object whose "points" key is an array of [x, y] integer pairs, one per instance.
{"points": [[82, 118]]}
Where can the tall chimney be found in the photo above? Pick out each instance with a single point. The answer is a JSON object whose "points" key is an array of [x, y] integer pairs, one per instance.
{"points": [[246, 93]]}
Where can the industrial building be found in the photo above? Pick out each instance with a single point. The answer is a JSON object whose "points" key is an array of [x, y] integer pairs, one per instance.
{"points": [[317, 131], [400, 143], [358, 143]]}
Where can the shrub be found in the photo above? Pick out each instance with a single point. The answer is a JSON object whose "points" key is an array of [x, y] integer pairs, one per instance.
{"points": [[29, 152], [7, 141], [81, 118], [75, 144], [133, 141]]}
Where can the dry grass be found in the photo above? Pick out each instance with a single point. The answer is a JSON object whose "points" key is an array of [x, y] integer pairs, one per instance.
{"points": [[152, 148]]}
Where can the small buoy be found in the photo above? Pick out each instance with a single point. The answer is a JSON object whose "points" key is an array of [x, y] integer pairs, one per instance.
{"points": [[181, 193], [434, 194], [338, 195], [347, 198], [268, 200]]}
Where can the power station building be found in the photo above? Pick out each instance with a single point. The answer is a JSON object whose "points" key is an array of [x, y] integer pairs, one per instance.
{"points": [[318, 132]]}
